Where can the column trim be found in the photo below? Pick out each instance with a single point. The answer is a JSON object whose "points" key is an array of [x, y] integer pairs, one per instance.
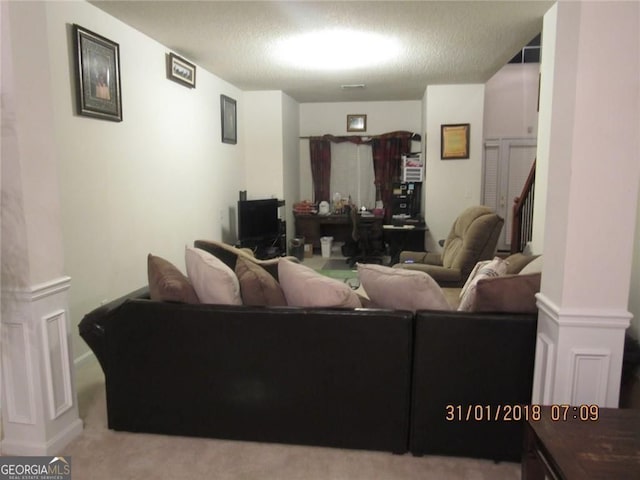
{"points": [[42, 406], [578, 354], [584, 317], [41, 290]]}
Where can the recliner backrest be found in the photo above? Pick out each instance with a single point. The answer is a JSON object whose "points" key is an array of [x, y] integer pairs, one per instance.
{"points": [[473, 237]]}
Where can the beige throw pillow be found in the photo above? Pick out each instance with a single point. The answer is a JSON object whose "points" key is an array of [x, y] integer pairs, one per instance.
{"points": [[213, 281], [507, 294], [401, 289], [257, 286], [494, 268], [304, 287], [167, 283]]}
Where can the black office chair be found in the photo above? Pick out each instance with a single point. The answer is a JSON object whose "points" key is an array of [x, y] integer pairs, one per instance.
{"points": [[367, 235]]}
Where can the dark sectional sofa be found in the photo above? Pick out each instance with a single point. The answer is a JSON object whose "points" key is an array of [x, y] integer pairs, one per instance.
{"points": [[364, 378]]}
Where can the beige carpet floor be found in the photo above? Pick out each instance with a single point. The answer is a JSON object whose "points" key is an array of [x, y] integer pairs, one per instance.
{"points": [[102, 454]]}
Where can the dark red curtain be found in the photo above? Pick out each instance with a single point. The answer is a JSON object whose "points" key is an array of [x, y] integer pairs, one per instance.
{"points": [[320, 152], [387, 150]]}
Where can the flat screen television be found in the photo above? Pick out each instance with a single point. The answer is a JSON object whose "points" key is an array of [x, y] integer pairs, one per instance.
{"points": [[258, 219]]}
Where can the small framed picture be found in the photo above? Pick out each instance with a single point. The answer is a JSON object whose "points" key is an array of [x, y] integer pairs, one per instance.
{"points": [[229, 120], [98, 75], [454, 141], [181, 71], [356, 123]]}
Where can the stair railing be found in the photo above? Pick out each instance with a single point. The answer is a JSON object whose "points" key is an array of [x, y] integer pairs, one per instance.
{"points": [[522, 223]]}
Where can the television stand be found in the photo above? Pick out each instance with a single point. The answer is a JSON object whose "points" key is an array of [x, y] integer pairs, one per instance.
{"points": [[265, 248]]}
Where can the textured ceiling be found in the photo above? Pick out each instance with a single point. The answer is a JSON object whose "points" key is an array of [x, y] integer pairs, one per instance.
{"points": [[441, 42]]}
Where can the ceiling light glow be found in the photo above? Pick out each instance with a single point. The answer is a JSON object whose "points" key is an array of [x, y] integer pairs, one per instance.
{"points": [[336, 50]]}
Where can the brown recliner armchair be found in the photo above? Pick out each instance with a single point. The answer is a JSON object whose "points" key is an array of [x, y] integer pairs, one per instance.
{"points": [[473, 237]]}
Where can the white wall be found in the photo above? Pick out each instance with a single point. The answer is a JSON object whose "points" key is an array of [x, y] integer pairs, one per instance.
{"points": [[291, 158], [272, 164], [152, 183], [31, 222], [264, 148], [318, 119], [451, 185], [545, 115], [511, 100]]}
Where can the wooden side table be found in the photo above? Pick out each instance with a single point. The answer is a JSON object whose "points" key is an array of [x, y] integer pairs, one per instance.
{"points": [[582, 443]]}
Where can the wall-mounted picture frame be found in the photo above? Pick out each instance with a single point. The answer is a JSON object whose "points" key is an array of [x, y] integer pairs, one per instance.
{"points": [[454, 141], [229, 120], [356, 123], [181, 71], [97, 75]]}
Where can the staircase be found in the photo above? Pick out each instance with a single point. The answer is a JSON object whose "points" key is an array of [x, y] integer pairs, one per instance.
{"points": [[522, 223]]}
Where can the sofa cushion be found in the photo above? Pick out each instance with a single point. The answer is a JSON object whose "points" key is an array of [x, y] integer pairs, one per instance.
{"points": [[507, 294], [494, 268], [167, 283], [257, 286], [304, 287], [213, 281], [401, 289]]}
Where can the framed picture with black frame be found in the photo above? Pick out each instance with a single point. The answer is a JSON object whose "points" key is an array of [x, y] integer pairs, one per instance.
{"points": [[356, 123], [97, 75], [229, 120], [181, 71]]}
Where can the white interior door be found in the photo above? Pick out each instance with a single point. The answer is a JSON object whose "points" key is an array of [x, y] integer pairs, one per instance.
{"points": [[507, 162]]}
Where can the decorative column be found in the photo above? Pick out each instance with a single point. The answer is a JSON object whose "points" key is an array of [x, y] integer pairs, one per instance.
{"points": [[591, 95], [39, 407]]}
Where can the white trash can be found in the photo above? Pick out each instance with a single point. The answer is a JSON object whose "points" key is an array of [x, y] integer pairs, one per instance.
{"points": [[325, 245]]}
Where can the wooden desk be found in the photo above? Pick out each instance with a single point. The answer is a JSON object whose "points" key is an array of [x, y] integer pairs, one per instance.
{"points": [[400, 238], [312, 227], [575, 449]]}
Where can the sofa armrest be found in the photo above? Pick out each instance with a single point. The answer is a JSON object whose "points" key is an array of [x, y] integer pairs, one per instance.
{"points": [[467, 359], [445, 277], [92, 326], [429, 258]]}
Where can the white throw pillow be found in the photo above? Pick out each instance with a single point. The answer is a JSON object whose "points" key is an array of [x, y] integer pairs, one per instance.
{"points": [[472, 275], [495, 268], [213, 281], [401, 289], [304, 287]]}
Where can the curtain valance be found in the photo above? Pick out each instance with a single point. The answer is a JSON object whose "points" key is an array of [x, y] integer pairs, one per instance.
{"points": [[363, 139]]}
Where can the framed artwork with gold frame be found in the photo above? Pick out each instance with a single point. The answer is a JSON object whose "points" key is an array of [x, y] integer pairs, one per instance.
{"points": [[454, 141]]}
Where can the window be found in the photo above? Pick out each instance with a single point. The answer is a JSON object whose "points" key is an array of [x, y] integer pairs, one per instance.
{"points": [[352, 173]]}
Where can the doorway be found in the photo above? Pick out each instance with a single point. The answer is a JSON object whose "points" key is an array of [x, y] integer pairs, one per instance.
{"points": [[507, 162]]}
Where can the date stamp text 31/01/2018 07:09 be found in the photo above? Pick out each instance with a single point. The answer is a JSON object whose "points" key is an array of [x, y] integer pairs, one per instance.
{"points": [[516, 413]]}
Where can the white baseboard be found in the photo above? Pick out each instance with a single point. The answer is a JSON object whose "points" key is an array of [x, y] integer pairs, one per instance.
{"points": [[54, 446]]}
